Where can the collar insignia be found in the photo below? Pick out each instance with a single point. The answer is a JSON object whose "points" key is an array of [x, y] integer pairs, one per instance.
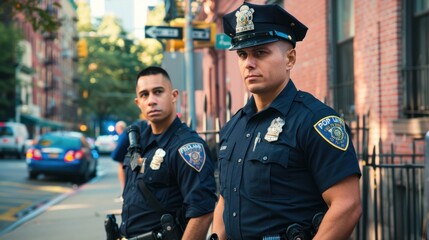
{"points": [[333, 130], [274, 130], [244, 19], [194, 155]]}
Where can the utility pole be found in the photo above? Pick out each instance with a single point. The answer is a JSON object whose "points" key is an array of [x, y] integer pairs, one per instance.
{"points": [[189, 62], [18, 93]]}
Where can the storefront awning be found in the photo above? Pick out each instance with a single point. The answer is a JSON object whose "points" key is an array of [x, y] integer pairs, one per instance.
{"points": [[32, 120]]}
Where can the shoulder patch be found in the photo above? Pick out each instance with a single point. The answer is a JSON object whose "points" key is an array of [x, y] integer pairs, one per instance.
{"points": [[333, 130], [194, 155]]}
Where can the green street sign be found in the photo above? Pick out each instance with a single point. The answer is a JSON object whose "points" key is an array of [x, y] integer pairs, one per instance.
{"points": [[223, 41]]}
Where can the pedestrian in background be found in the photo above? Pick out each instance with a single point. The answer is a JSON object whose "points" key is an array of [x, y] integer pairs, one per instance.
{"points": [[120, 150], [175, 166], [286, 159]]}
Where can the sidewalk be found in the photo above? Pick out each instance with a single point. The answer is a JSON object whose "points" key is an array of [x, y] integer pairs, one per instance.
{"points": [[79, 214]]}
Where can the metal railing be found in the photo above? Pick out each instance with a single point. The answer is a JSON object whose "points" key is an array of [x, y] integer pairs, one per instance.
{"points": [[392, 188]]}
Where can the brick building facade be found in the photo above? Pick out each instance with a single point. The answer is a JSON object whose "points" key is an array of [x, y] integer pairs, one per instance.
{"points": [[360, 57]]}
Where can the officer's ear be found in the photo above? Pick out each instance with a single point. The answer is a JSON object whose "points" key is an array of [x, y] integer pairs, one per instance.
{"points": [[175, 94], [291, 58]]}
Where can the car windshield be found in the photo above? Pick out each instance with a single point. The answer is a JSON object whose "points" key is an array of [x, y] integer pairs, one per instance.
{"points": [[6, 131], [59, 141]]}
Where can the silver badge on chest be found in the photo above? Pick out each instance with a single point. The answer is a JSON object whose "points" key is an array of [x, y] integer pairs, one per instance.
{"points": [[274, 130], [157, 159]]}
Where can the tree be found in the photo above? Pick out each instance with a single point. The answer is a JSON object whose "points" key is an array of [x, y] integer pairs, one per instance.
{"points": [[108, 73], [41, 19], [9, 38]]}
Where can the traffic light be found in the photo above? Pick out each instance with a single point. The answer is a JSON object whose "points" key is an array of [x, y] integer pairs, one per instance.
{"points": [[179, 44], [205, 25], [176, 44], [82, 48], [85, 94], [174, 9]]}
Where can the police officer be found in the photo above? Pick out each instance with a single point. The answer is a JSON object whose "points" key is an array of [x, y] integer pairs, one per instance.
{"points": [[285, 157], [175, 165]]}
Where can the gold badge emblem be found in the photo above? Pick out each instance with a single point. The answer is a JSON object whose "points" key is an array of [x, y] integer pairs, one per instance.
{"points": [[244, 19], [274, 130], [157, 159]]}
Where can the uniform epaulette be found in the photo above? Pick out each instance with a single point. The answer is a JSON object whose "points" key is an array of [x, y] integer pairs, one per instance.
{"points": [[309, 101], [181, 131]]}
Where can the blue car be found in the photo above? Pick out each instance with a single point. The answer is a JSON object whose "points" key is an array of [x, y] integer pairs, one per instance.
{"points": [[62, 154]]}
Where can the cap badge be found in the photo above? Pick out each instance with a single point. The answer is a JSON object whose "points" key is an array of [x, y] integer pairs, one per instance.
{"points": [[157, 159], [274, 130], [244, 19]]}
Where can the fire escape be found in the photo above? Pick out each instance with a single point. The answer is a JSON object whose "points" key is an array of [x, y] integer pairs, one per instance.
{"points": [[49, 64]]}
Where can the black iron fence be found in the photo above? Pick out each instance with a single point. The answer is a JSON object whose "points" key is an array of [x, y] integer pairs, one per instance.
{"points": [[392, 195], [392, 188]]}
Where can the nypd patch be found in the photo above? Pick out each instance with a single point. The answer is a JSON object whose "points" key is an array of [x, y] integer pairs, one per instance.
{"points": [[333, 130], [194, 155]]}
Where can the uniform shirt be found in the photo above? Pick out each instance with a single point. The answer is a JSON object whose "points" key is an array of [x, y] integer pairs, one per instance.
{"points": [[123, 143], [177, 170], [274, 165]]}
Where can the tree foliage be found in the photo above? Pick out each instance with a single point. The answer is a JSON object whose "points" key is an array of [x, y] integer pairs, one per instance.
{"points": [[10, 52], [41, 18], [108, 73]]}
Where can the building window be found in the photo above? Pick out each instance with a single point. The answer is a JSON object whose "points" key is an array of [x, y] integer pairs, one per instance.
{"points": [[416, 70], [342, 86]]}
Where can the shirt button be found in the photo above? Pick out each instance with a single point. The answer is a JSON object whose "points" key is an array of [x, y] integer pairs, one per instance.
{"points": [[239, 160], [234, 214], [265, 158], [248, 135], [235, 189]]}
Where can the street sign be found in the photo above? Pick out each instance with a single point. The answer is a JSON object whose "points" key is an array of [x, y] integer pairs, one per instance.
{"points": [[201, 34], [223, 41], [164, 32]]}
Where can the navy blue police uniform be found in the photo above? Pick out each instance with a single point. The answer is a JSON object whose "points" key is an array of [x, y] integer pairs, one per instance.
{"points": [[275, 164], [178, 170]]}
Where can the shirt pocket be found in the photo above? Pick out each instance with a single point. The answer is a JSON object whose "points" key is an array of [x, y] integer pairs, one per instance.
{"points": [[225, 167], [157, 177], [265, 170]]}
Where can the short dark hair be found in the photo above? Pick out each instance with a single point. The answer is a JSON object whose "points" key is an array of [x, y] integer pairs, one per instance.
{"points": [[153, 70]]}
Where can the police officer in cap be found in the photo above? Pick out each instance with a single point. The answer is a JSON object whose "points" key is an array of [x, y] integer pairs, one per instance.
{"points": [[287, 164], [175, 167]]}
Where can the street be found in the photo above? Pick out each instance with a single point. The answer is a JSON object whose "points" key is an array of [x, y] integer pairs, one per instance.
{"points": [[20, 196], [45, 208]]}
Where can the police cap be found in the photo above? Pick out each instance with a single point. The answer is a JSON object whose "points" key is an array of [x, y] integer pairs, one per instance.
{"points": [[251, 25]]}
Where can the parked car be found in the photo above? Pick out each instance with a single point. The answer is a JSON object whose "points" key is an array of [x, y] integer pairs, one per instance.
{"points": [[105, 144], [13, 138], [62, 153]]}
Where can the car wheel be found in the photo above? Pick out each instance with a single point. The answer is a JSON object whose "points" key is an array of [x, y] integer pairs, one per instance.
{"points": [[84, 177], [32, 175], [94, 173]]}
